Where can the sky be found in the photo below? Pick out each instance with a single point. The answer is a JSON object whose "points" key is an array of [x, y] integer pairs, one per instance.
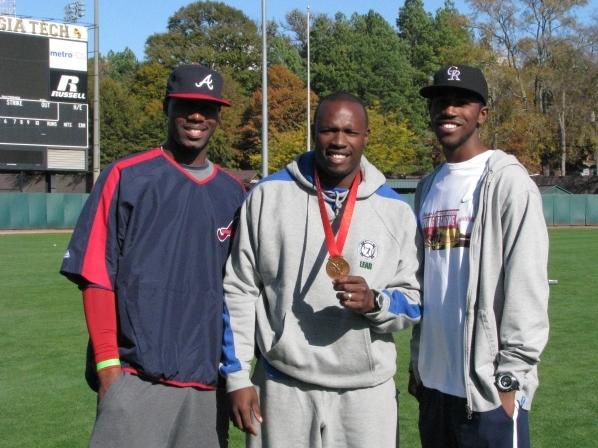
{"points": [[128, 23]]}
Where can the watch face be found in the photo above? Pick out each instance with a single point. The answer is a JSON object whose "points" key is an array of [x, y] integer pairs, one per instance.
{"points": [[505, 381]]}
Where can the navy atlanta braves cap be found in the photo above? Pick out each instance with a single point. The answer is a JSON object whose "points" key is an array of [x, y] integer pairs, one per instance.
{"points": [[461, 77], [196, 82]]}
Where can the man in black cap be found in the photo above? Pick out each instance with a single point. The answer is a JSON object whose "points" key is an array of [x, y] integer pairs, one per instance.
{"points": [[148, 252], [485, 245]]}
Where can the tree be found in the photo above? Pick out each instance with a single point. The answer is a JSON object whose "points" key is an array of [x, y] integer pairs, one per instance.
{"points": [[286, 109], [453, 38], [527, 33], [282, 51], [363, 55], [391, 145], [417, 31], [282, 148], [121, 121], [120, 65], [225, 144], [212, 33]]}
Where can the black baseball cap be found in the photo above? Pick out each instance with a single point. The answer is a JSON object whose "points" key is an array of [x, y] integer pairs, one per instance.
{"points": [[461, 77], [196, 82]]}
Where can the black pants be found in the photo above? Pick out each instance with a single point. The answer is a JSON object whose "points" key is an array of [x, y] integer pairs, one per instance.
{"points": [[444, 423]]}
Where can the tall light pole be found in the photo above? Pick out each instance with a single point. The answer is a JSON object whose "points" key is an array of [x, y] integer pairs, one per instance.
{"points": [[96, 90], [308, 144], [264, 93]]}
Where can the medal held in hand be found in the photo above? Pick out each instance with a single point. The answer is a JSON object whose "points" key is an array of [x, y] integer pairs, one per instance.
{"points": [[337, 266]]}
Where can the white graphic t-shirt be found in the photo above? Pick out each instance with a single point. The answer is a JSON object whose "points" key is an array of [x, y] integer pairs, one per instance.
{"points": [[446, 218]]}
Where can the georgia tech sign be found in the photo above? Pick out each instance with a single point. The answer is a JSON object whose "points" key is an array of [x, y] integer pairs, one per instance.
{"points": [[12, 24]]}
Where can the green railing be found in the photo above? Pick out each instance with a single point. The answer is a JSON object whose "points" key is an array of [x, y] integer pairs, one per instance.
{"points": [[61, 210], [40, 210]]}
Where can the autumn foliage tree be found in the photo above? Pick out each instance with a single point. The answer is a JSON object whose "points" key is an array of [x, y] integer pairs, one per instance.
{"points": [[540, 64], [287, 113]]}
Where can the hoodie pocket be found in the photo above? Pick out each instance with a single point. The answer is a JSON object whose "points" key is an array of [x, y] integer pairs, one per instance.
{"points": [[324, 343]]}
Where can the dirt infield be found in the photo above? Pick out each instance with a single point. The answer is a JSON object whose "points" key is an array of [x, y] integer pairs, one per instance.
{"points": [[25, 231]]}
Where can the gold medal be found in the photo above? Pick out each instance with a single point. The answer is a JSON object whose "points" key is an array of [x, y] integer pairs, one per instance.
{"points": [[337, 267]]}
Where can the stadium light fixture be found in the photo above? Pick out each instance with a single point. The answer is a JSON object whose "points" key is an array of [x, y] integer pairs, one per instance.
{"points": [[74, 11]]}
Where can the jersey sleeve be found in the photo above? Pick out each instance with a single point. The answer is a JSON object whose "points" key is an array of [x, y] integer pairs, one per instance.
{"points": [[401, 297], [242, 287], [92, 253]]}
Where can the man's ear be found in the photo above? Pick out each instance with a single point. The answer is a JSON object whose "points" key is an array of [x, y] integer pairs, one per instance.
{"points": [[482, 115]]}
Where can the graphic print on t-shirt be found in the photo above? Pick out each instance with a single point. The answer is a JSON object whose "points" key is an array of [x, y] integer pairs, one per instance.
{"points": [[445, 229]]}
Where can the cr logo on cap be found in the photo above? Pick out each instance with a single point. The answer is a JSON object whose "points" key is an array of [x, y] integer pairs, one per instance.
{"points": [[207, 81], [454, 73]]}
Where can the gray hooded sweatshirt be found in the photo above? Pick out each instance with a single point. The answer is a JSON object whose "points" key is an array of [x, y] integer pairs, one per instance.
{"points": [[506, 321], [278, 296]]}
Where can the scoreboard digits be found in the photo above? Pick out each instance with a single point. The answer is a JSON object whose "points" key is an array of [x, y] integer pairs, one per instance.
{"points": [[47, 123]]}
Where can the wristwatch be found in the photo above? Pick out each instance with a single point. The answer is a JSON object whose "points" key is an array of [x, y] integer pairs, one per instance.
{"points": [[506, 382], [378, 301]]}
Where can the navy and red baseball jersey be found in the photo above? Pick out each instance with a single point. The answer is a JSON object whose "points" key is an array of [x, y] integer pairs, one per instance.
{"points": [[159, 239]]}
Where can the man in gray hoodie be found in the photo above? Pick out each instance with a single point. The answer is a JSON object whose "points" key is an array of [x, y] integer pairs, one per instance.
{"points": [[323, 269], [485, 322]]}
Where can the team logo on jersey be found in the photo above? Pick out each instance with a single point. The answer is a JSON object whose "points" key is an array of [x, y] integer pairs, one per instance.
{"points": [[454, 73], [67, 254], [207, 81], [368, 249], [223, 233]]}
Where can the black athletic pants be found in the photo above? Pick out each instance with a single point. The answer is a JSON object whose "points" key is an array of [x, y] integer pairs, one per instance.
{"points": [[444, 423]]}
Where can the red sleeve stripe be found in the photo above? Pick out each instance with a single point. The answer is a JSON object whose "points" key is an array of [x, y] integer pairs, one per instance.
{"points": [[94, 268]]}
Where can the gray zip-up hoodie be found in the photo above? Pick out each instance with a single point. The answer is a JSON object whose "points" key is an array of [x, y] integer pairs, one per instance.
{"points": [[277, 293], [506, 321]]}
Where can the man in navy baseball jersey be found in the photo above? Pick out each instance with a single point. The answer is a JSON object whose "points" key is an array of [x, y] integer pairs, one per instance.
{"points": [[148, 253]]}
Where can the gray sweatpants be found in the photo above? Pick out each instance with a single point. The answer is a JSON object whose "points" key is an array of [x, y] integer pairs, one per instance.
{"points": [[137, 413], [303, 415]]}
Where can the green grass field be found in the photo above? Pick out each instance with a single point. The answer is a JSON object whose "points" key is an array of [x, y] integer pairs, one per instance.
{"points": [[44, 401]]}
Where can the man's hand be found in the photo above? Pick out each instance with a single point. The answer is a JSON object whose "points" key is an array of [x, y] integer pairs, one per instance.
{"points": [[507, 399], [355, 294], [106, 377], [245, 404]]}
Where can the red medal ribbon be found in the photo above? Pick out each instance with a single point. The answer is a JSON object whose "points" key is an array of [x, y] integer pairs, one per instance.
{"points": [[335, 246]]}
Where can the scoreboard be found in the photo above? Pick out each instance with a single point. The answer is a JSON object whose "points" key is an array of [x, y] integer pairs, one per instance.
{"points": [[44, 116]]}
